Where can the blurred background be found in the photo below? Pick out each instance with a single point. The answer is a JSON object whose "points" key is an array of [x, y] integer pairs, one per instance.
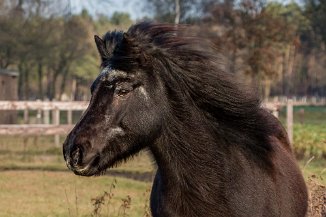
{"points": [[48, 61]]}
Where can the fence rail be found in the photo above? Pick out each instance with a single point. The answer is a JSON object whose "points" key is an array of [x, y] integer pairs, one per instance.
{"points": [[34, 129], [305, 101], [43, 126], [43, 105], [44, 108]]}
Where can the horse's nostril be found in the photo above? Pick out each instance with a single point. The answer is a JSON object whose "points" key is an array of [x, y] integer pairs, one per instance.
{"points": [[76, 156]]}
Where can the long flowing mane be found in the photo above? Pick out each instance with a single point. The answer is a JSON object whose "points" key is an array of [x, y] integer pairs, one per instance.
{"points": [[217, 151], [192, 73]]}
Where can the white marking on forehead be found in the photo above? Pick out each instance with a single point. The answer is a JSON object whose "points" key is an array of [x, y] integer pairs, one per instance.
{"points": [[105, 71], [144, 92], [108, 73]]}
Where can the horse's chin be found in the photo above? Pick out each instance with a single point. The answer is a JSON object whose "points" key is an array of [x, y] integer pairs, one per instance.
{"points": [[99, 164], [86, 171], [96, 169], [90, 169]]}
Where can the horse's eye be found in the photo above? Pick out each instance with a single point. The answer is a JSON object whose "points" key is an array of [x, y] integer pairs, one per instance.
{"points": [[110, 86], [122, 89], [122, 92]]}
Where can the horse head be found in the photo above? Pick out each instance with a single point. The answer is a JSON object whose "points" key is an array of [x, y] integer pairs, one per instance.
{"points": [[124, 114]]}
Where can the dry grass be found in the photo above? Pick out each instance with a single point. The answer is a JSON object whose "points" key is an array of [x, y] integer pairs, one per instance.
{"points": [[36, 194], [38, 183], [317, 197], [44, 193], [316, 204], [18, 152], [315, 174], [102, 204]]}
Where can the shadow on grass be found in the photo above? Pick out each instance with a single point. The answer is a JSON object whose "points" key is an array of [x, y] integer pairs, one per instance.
{"points": [[134, 175]]}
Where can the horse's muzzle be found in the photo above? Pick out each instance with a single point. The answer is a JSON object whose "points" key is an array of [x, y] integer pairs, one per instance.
{"points": [[78, 156]]}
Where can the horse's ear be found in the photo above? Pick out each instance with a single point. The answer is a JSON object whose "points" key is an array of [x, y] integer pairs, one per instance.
{"points": [[125, 37], [100, 47]]}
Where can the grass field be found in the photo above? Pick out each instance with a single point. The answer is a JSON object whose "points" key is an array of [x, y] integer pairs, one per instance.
{"points": [[35, 186], [34, 180], [309, 130], [42, 193], [36, 193]]}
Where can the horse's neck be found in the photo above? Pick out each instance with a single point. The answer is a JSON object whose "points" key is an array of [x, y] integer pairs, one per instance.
{"points": [[190, 167]]}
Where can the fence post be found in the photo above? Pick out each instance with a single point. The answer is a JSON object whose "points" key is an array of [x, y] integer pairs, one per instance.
{"points": [[39, 114], [26, 121], [56, 121], [69, 116], [26, 118], [46, 115], [275, 112], [289, 119]]}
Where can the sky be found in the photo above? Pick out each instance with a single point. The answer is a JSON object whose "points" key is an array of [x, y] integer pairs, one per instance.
{"points": [[134, 7]]}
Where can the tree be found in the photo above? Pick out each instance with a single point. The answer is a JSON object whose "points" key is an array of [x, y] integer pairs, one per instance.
{"points": [[11, 21], [177, 11], [121, 18], [72, 45], [253, 37], [316, 11]]}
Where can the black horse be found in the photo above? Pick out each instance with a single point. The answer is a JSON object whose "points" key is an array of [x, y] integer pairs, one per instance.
{"points": [[218, 152]]}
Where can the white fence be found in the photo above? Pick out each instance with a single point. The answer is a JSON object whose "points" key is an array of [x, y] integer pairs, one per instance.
{"points": [[43, 126], [44, 108]]}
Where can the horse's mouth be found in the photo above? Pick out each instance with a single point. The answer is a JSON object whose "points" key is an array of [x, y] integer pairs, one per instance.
{"points": [[95, 167], [82, 170], [90, 169]]}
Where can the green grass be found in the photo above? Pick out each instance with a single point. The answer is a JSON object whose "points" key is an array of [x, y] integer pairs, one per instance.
{"points": [[309, 130], [40, 153], [315, 115], [37, 193], [310, 140]]}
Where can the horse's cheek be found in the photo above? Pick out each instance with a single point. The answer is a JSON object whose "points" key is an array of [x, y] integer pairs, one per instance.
{"points": [[142, 118], [151, 121]]}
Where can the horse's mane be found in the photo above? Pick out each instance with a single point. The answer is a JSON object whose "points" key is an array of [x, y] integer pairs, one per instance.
{"points": [[192, 68]]}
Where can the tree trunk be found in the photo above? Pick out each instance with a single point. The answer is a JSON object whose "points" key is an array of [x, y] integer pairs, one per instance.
{"points": [[291, 61], [64, 81], [56, 72], [267, 88], [5, 60], [26, 82], [53, 86], [73, 89], [63, 67], [177, 12], [20, 82], [40, 78], [48, 86], [78, 95]]}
